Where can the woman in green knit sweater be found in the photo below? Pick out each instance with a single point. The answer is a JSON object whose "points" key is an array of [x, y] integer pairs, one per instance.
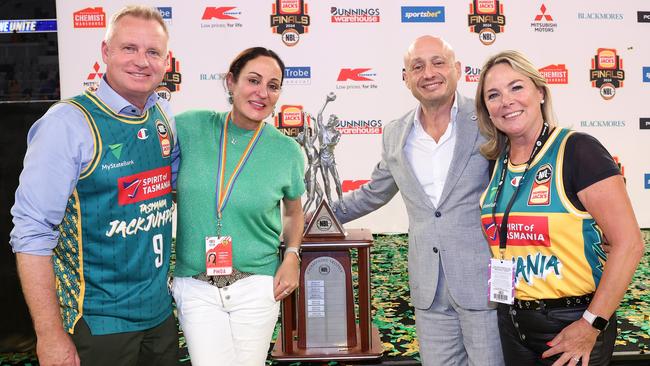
{"points": [[234, 171]]}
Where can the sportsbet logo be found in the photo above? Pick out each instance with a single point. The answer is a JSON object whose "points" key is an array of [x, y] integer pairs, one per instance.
{"points": [[143, 186]]}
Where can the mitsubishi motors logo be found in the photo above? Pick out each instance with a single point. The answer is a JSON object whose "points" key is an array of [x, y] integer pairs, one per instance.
{"points": [[543, 21], [94, 77], [546, 17]]}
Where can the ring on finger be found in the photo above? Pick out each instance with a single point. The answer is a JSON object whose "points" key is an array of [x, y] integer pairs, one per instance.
{"points": [[576, 358]]}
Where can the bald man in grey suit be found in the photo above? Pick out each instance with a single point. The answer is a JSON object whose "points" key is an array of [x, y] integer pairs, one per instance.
{"points": [[431, 156]]}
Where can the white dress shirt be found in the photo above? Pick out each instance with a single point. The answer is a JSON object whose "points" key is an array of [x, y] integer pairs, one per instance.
{"points": [[429, 159]]}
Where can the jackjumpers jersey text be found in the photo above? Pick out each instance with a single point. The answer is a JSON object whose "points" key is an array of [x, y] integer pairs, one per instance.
{"points": [[112, 258], [554, 245]]}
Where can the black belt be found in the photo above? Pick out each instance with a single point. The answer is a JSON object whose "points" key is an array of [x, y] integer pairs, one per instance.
{"points": [[563, 302]]}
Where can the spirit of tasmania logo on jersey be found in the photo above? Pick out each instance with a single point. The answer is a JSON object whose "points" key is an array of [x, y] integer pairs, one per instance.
{"points": [[144, 185]]}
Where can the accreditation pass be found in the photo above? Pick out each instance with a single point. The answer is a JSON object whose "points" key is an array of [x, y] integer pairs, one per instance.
{"points": [[501, 283]]}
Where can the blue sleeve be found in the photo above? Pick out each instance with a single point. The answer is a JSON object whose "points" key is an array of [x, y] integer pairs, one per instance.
{"points": [[59, 146]]}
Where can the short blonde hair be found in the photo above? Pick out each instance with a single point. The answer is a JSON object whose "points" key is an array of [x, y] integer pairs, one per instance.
{"points": [[497, 140], [136, 11]]}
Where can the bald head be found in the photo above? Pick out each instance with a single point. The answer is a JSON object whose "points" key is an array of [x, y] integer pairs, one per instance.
{"points": [[429, 42], [431, 71]]}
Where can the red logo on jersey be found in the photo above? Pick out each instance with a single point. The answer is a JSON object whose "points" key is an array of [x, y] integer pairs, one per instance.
{"points": [[522, 230], [144, 185]]}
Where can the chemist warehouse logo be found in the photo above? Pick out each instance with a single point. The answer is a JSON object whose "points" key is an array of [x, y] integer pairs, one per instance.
{"points": [[144, 186], [89, 18], [555, 74], [360, 126]]}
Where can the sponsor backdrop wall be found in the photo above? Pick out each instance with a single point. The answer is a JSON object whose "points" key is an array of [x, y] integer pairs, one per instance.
{"points": [[595, 54]]}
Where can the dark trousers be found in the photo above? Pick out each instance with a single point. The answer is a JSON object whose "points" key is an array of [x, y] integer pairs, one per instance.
{"points": [[155, 346], [524, 334]]}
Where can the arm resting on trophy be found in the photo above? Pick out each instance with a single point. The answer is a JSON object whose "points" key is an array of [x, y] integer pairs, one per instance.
{"points": [[370, 196]]}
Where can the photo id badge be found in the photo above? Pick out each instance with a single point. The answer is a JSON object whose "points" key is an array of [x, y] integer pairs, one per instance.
{"points": [[501, 283], [218, 255]]}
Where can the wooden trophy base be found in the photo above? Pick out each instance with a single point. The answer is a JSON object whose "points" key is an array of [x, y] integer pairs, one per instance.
{"points": [[330, 353]]}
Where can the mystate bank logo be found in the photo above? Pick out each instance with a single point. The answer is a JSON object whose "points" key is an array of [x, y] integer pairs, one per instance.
{"points": [[487, 19], [144, 185], [607, 72], [289, 18]]}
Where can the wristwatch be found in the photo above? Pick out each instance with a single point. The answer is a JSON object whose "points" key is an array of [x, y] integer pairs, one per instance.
{"points": [[597, 322], [294, 250]]}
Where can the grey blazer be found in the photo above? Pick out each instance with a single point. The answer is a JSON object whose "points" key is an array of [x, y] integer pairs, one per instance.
{"points": [[450, 234]]}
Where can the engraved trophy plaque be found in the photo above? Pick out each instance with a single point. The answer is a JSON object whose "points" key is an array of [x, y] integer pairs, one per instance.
{"points": [[319, 321]]}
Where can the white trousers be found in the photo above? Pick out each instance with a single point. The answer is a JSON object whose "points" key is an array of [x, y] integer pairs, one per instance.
{"points": [[228, 326]]}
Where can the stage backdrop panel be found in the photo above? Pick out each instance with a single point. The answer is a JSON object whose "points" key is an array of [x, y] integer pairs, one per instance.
{"points": [[595, 54]]}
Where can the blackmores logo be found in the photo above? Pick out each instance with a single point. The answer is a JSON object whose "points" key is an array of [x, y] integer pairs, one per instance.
{"points": [[290, 120], [487, 19], [644, 123], [172, 79], [607, 72], [354, 15], [555, 74], [89, 18], [543, 21], [289, 18]]}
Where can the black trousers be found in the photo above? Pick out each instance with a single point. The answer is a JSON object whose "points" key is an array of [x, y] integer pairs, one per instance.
{"points": [[524, 334], [155, 346]]}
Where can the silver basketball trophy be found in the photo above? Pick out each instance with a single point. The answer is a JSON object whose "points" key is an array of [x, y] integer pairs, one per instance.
{"points": [[323, 222]]}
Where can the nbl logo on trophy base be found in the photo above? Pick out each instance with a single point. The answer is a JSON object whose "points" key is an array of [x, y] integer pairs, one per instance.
{"points": [[607, 72], [486, 18], [290, 19], [290, 120], [172, 79]]}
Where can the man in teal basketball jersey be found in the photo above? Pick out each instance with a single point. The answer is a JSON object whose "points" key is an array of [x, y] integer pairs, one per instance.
{"points": [[92, 218]]}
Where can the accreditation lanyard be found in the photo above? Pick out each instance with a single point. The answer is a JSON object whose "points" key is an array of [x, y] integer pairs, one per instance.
{"points": [[503, 229], [224, 188]]}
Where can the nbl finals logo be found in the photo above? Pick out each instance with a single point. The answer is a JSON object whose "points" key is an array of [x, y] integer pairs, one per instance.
{"points": [[486, 18], [289, 19], [607, 72]]}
